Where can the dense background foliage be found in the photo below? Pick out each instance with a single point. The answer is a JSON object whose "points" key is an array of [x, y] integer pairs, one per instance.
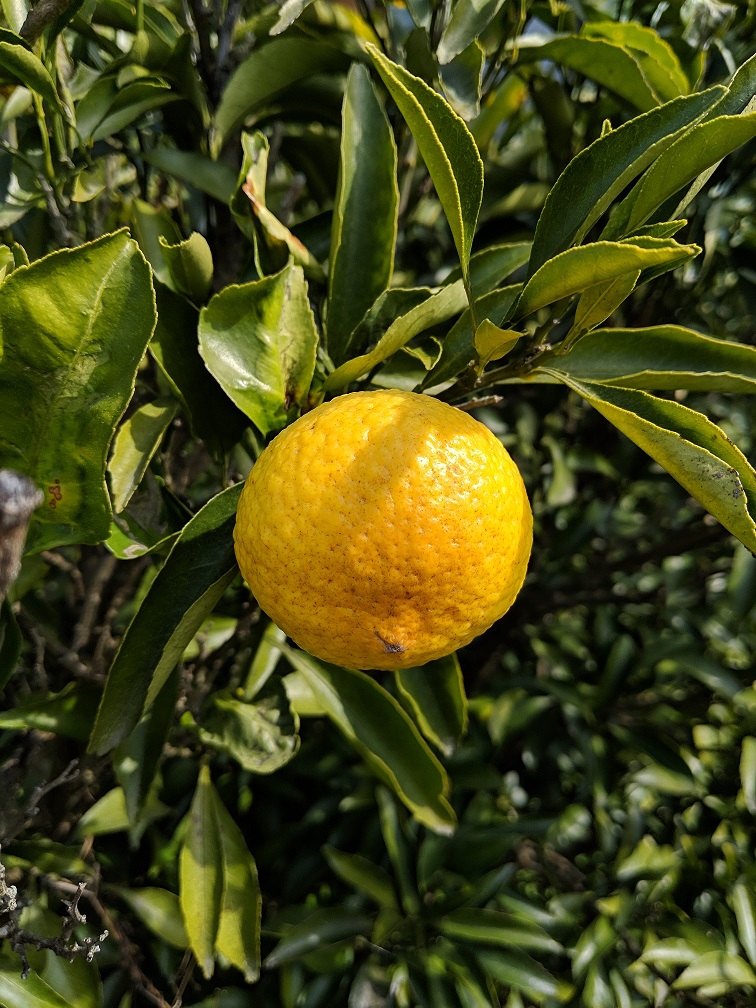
{"points": [[237, 803]]}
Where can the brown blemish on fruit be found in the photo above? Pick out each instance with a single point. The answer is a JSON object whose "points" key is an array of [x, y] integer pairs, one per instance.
{"points": [[388, 646]]}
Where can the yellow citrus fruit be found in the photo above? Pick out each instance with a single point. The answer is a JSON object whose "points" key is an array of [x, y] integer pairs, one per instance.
{"points": [[384, 529]]}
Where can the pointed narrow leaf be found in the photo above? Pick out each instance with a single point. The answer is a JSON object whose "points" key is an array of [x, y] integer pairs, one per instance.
{"points": [[577, 269], [702, 146], [238, 938], [362, 874], [33, 992], [446, 146], [201, 874], [469, 18], [492, 927], [743, 901], [436, 695], [74, 326], [259, 341], [522, 972], [492, 342], [323, 927], [384, 735], [432, 311], [215, 178], [365, 213], [18, 62], [716, 968], [748, 773], [598, 174], [656, 57], [137, 440], [598, 302], [688, 445], [268, 71], [160, 911], [661, 357], [199, 567], [70, 713], [740, 92]]}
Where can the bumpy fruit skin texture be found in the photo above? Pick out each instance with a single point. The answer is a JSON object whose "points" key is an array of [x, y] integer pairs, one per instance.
{"points": [[384, 529]]}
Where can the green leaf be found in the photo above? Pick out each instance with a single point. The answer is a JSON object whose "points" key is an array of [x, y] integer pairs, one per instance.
{"points": [[600, 172], [458, 349], [661, 357], [523, 973], [10, 644], [492, 927], [136, 442], [266, 73], [198, 569], [436, 695], [150, 225], [261, 736], [18, 63], [238, 938], [491, 266], [175, 347], [598, 302], [384, 735], [716, 968], [32, 992], [611, 65], [323, 927], [365, 213], [656, 57], [70, 713], [439, 307], [15, 14], [288, 14], [743, 902], [107, 815], [363, 875], [201, 874], [740, 91], [493, 343], [160, 911], [697, 149], [215, 178], [131, 103], [577, 269], [461, 81], [259, 341], [469, 18], [691, 448], [748, 773], [446, 146], [74, 327], [190, 265]]}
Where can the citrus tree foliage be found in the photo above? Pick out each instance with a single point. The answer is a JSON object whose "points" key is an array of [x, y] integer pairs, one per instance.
{"points": [[214, 217]]}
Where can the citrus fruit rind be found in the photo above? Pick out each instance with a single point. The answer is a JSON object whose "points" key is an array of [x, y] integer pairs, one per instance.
{"points": [[384, 529]]}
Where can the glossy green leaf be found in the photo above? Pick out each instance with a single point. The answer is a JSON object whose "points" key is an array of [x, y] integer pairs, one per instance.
{"points": [[261, 735], [577, 269], [688, 445], [33, 992], [160, 911], [461, 81], [134, 445], [152, 226], [15, 14], [190, 266], [199, 567], [18, 63], [288, 14], [748, 773], [469, 18], [740, 91], [611, 65], [599, 173], [656, 57], [523, 973], [238, 937], [323, 927], [77, 981], [363, 875], [492, 927], [491, 266], [492, 342], [201, 874], [716, 968], [446, 146], [215, 178], [74, 327], [742, 899], [264, 663], [107, 815], [175, 347], [365, 213], [401, 854], [692, 153], [70, 713], [259, 341], [437, 308], [137, 758], [130, 104], [598, 302], [661, 357], [436, 695], [384, 735], [267, 72], [458, 349], [10, 643]]}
